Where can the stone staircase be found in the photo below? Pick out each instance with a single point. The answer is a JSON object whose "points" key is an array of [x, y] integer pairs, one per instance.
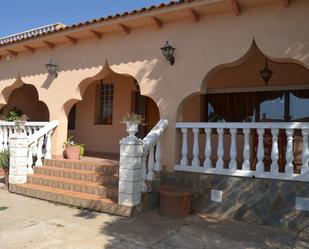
{"points": [[84, 184]]}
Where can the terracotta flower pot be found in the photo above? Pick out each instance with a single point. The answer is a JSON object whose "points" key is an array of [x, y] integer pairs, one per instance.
{"points": [[6, 177], [175, 201], [72, 152]]}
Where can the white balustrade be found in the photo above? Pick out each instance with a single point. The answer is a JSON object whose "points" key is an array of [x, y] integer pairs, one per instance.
{"points": [[253, 149], [151, 162], [158, 156]]}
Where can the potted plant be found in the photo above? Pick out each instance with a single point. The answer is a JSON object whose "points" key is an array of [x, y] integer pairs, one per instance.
{"points": [[5, 164], [73, 150], [13, 114], [132, 122]]}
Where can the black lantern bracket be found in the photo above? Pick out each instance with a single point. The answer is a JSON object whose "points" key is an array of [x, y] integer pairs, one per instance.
{"points": [[168, 52], [52, 68], [266, 72]]}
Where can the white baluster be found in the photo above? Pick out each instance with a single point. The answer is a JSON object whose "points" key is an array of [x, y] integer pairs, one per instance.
{"points": [[144, 175], [157, 166], [39, 153], [207, 162], [260, 151], [233, 150], [305, 151], [10, 132], [1, 138], [184, 150], [30, 160], [48, 154], [289, 154], [246, 152], [274, 167], [5, 137], [196, 150], [150, 174], [220, 150]]}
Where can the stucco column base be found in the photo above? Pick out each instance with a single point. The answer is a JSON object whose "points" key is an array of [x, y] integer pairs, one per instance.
{"points": [[130, 172], [18, 158]]}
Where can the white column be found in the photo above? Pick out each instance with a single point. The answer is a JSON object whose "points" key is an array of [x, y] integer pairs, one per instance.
{"points": [[184, 150], [289, 154], [150, 174], [220, 150], [233, 150], [260, 151], [305, 151], [196, 150], [48, 154], [18, 159], [246, 152], [207, 162], [39, 153], [131, 171], [158, 156], [274, 167]]}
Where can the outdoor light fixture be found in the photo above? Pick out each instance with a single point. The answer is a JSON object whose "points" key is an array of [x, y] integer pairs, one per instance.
{"points": [[52, 68], [266, 72], [168, 52]]}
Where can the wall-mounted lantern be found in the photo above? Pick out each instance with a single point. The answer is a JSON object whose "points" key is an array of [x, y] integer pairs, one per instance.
{"points": [[266, 72], [168, 52], [52, 68]]}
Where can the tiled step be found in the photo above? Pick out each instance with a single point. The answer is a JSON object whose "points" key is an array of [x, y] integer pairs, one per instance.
{"points": [[72, 198], [82, 175], [74, 185], [100, 166]]}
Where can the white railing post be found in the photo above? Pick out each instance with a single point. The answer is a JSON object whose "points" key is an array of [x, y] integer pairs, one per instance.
{"points": [[196, 150], [184, 150], [5, 137], [305, 151], [150, 174], [39, 152], [1, 138], [233, 150], [207, 162], [274, 167], [144, 175], [246, 152], [220, 150], [289, 154], [260, 151], [48, 154], [30, 160], [158, 156]]}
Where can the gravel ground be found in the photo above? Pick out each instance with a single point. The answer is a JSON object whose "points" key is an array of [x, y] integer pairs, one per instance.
{"points": [[30, 223]]}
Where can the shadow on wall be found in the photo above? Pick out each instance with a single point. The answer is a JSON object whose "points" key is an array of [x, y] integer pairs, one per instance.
{"points": [[26, 99]]}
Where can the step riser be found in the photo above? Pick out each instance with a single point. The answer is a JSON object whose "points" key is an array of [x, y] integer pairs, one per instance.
{"points": [[99, 191], [72, 201], [107, 169], [101, 179]]}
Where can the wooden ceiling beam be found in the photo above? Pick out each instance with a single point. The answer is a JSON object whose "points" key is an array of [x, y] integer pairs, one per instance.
{"points": [[286, 3], [194, 15], [156, 22], [30, 49], [97, 35], [235, 7], [12, 53], [71, 39], [49, 45], [124, 29]]}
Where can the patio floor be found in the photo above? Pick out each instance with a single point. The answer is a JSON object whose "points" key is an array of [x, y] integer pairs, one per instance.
{"points": [[30, 223]]}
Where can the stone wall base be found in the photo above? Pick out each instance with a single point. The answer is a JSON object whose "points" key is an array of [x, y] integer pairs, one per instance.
{"points": [[262, 201]]}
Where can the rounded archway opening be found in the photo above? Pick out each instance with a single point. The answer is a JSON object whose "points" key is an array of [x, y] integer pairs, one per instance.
{"points": [[96, 120], [25, 100]]}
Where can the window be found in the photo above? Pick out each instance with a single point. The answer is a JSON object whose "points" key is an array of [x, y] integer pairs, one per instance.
{"points": [[105, 95]]}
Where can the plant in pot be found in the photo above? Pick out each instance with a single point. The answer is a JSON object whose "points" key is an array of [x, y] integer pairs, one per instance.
{"points": [[73, 150], [132, 122], [5, 164], [13, 114]]}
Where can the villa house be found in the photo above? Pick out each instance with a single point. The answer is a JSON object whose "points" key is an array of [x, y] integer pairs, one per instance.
{"points": [[227, 111]]}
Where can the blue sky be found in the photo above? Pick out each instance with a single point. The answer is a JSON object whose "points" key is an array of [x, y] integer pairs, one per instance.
{"points": [[20, 15]]}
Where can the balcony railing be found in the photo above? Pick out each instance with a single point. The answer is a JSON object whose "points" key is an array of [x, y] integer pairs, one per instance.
{"points": [[242, 149]]}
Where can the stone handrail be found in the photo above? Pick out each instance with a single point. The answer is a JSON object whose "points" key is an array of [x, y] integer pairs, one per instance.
{"points": [[203, 162]]}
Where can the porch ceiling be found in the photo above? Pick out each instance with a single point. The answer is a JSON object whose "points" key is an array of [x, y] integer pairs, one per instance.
{"points": [[155, 17]]}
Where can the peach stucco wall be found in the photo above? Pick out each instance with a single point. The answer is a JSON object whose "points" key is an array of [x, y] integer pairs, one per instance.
{"points": [[99, 137], [202, 49]]}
